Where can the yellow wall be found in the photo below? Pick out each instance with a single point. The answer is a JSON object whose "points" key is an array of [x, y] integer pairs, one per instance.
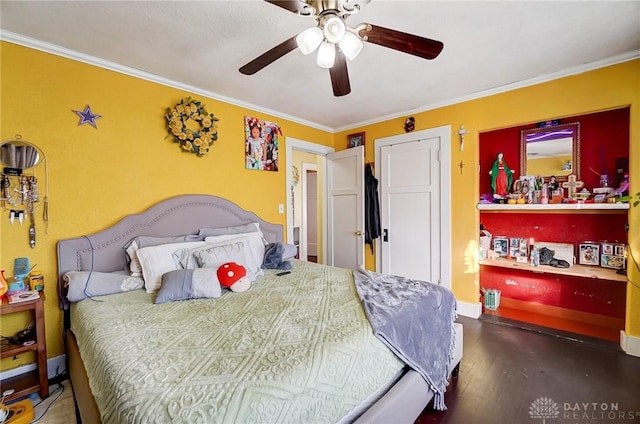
{"points": [[96, 176], [548, 166], [608, 88]]}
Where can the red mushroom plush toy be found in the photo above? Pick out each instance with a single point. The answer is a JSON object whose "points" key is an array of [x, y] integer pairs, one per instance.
{"points": [[234, 277]]}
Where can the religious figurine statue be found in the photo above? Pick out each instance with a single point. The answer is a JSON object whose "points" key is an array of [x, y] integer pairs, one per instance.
{"points": [[501, 177]]}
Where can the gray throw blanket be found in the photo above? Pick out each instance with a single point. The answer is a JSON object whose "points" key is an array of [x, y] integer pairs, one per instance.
{"points": [[415, 320], [273, 257]]}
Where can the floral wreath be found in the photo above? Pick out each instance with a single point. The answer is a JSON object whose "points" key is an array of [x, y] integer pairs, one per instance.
{"points": [[195, 141]]}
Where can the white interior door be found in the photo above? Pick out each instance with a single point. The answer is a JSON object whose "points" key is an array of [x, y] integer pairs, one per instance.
{"points": [[345, 208], [414, 207]]}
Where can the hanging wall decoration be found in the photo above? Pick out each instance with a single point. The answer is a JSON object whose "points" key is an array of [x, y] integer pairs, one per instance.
{"points": [[409, 124], [355, 140], [261, 144], [191, 126], [87, 116]]}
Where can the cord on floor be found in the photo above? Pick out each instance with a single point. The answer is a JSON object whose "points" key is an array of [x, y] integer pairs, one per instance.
{"points": [[60, 390]]}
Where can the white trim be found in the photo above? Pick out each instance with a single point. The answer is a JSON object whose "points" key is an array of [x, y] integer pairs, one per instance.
{"points": [[615, 60], [22, 40], [122, 69], [471, 310], [55, 366], [630, 344], [444, 135], [318, 149]]}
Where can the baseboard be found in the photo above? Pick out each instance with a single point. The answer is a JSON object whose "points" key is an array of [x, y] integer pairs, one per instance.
{"points": [[55, 367], [471, 310], [630, 344]]}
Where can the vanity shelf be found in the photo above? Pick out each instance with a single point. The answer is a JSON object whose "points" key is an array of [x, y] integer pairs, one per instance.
{"points": [[598, 208], [583, 271]]}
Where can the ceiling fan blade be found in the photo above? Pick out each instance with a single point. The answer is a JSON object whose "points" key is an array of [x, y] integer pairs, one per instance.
{"points": [[269, 57], [425, 48], [340, 75], [290, 5]]}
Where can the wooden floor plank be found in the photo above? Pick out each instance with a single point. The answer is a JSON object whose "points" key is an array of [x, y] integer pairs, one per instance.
{"points": [[508, 367]]}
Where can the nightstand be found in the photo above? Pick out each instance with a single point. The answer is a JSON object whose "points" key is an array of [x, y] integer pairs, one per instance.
{"points": [[36, 380]]}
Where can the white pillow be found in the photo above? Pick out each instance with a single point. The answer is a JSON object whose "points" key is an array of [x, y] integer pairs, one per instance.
{"points": [[215, 255], [158, 260], [254, 249], [147, 241], [134, 265]]}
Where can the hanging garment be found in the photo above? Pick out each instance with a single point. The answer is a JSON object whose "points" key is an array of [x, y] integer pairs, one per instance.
{"points": [[371, 207]]}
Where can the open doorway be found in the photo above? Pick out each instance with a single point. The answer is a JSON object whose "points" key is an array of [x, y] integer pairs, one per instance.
{"points": [[306, 205], [310, 223], [306, 198]]}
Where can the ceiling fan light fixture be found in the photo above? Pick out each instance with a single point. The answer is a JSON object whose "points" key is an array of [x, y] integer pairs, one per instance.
{"points": [[351, 45], [334, 29], [309, 40], [326, 55]]}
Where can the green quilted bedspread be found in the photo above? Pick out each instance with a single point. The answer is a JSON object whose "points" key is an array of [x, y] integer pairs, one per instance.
{"points": [[293, 349]]}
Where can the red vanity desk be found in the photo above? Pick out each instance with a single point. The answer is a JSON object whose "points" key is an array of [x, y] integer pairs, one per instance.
{"points": [[582, 299]]}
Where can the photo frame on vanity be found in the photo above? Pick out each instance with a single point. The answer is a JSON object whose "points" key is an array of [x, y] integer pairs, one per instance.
{"points": [[612, 261], [619, 249], [589, 254], [522, 255], [514, 246], [501, 246], [607, 249], [354, 140]]}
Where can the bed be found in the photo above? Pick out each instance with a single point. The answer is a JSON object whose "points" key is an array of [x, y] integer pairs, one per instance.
{"points": [[133, 360]]}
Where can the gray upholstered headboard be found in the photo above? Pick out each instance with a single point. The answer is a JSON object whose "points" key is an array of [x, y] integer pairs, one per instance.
{"points": [[103, 251]]}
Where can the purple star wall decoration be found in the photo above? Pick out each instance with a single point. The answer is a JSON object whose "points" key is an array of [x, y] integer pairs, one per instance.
{"points": [[87, 117]]}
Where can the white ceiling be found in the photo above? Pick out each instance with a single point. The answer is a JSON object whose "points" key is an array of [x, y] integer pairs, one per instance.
{"points": [[199, 46]]}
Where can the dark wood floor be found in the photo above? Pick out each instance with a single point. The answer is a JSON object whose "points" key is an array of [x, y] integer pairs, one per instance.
{"points": [[515, 373]]}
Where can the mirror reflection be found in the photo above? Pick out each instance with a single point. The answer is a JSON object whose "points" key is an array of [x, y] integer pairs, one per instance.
{"points": [[19, 154], [551, 151]]}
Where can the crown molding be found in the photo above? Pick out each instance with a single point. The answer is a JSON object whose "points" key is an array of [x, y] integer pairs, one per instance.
{"points": [[614, 60], [116, 67], [112, 66]]}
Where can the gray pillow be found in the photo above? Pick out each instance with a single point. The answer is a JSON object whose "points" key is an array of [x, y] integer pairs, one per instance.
{"points": [[184, 284], [84, 284], [146, 241], [223, 231]]}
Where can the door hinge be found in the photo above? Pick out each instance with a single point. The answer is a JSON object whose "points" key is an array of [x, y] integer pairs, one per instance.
{"points": [[385, 235]]}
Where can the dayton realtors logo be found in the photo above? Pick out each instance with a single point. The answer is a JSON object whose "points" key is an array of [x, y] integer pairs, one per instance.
{"points": [[544, 408], [580, 412]]}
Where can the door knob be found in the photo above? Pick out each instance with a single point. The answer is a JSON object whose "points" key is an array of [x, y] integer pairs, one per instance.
{"points": [[358, 233]]}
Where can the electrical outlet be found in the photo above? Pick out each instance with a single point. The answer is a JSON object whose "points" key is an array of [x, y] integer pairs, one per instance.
{"points": [[280, 207]]}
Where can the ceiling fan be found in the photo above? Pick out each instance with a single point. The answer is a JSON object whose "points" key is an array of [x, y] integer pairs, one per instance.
{"points": [[336, 41]]}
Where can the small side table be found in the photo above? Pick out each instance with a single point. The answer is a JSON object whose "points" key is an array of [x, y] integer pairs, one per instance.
{"points": [[38, 379]]}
